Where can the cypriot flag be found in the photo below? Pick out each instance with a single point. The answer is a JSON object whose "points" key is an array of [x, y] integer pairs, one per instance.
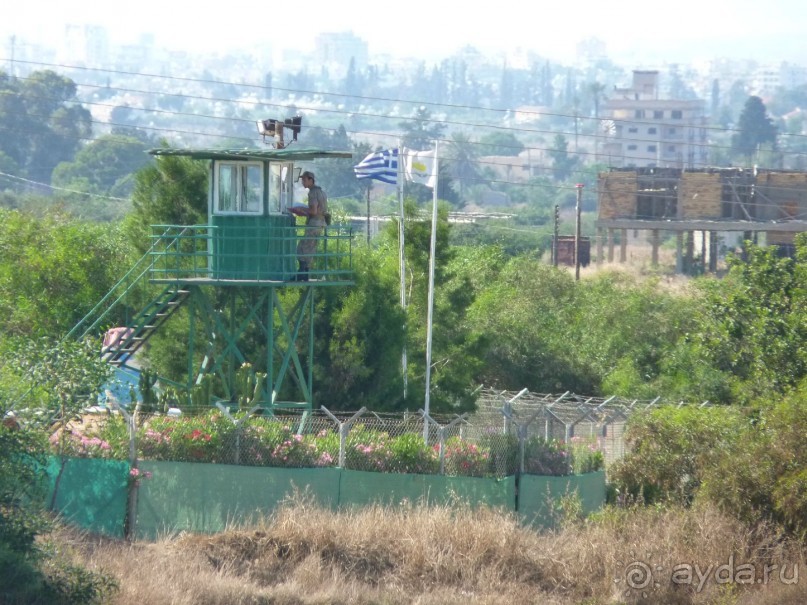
{"points": [[419, 167]]}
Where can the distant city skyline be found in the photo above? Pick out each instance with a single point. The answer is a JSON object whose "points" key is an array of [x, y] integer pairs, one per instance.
{"points": [[633, 32]]}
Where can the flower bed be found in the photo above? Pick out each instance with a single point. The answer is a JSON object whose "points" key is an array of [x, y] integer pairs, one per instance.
{"points": [[215, 438]]}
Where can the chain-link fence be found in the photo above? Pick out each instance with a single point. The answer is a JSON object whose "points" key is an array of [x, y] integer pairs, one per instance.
{"points": [[510, 432]]}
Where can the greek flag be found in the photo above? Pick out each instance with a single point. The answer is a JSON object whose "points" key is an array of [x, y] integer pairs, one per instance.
{"points": [[381, 166]]}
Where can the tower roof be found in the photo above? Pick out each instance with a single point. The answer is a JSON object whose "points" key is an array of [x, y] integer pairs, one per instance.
{"points": [[289, 154]]}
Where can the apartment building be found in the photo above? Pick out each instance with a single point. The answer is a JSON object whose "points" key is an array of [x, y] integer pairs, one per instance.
{"points": [[642, 130]]}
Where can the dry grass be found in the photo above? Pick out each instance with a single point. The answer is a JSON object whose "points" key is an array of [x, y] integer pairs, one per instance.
{"points": [[441, 555]]}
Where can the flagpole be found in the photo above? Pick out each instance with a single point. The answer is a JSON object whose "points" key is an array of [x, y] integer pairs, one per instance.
{"points": [[401, 260], [430, 318], [369, 187]]}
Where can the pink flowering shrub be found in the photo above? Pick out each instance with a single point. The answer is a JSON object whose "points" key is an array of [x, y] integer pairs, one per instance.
{"points": [[214, 438], [377, 451], [79, 445], [266, 442], [543, 457], [136, 476], [465, 459], [187, 438]]}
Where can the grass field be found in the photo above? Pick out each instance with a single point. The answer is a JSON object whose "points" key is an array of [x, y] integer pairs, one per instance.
{"points": [[440, 555]]}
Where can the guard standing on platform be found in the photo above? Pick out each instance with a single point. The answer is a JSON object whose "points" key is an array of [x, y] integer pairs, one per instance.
{"points": [[315, 223]]}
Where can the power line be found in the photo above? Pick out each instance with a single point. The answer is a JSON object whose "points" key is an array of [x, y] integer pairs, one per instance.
{"points": [[579, 153], [254, 103], [367, 98], [39, 184]]}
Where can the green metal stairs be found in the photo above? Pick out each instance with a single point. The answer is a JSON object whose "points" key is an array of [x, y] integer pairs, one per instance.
{"points": [[146, 323], [128, 293]]}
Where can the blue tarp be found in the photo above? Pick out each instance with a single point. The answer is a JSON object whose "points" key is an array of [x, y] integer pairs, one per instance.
{"points": [[119, 388]]}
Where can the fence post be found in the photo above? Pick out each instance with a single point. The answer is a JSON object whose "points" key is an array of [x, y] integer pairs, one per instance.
{"points": [[441, 434], [130, 524], [508, 405], [237, 424], [550, 413], [344, 428]]}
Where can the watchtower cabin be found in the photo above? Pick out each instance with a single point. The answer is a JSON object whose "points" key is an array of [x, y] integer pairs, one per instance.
{"points": [[702, 208], [232, 280]]}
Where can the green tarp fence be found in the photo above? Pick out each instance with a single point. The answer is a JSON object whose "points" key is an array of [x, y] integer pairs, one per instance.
{"points": [[359, 488], [209, 498], [90, 493], [539, 497]]}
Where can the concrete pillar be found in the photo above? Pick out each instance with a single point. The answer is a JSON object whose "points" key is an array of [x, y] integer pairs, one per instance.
{"points": [[654, 242], [689, 257], [610, 245], [600, 235], [713, 252], [679, 252], [623, 245]]}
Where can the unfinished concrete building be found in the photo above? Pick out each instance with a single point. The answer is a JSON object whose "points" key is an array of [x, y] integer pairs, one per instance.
{"points": [[701, 208]]}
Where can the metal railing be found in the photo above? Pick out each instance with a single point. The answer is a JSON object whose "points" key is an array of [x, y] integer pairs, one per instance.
{"points": [[249, 253], [124, 298]]}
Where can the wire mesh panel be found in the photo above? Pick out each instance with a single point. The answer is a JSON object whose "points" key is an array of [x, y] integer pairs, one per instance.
{"points": [[509, 433]]}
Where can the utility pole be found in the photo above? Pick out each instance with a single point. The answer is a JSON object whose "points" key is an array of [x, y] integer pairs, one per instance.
{"points": [[577, 232]]}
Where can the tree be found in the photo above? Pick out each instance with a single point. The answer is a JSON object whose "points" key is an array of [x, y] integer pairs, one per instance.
{"points": [[755, 128], [715, 101], [753, 322], [40, 122], [360, 331], [506, 88], [360, 336], [171, 191], [595, 91], [462, 163], [61, 376], [336, 175], [105, 166], [352, 85], [500, 143], [420, 131], [562, 162], [54, 270]]}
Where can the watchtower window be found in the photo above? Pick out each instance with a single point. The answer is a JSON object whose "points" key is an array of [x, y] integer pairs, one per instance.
{"points": [[239, 188], [281, 186]]}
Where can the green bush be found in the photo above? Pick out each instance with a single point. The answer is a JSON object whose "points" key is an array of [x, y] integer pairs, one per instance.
{"points": [[763, 473], [586, 455], [30, 572], [409, 454], [672, 448]]}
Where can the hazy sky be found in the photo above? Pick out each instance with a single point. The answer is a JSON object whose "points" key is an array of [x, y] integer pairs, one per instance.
{"points": [[680, 30]]}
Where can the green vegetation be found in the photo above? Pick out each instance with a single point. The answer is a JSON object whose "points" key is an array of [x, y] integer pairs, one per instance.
{"points": [[503, 318]]}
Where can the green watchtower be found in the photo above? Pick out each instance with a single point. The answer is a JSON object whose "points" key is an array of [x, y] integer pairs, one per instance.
{"points": [[234, 278]]}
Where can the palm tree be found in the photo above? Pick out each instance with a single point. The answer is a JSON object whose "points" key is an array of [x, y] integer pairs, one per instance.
{"points": [[462, 159]]}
